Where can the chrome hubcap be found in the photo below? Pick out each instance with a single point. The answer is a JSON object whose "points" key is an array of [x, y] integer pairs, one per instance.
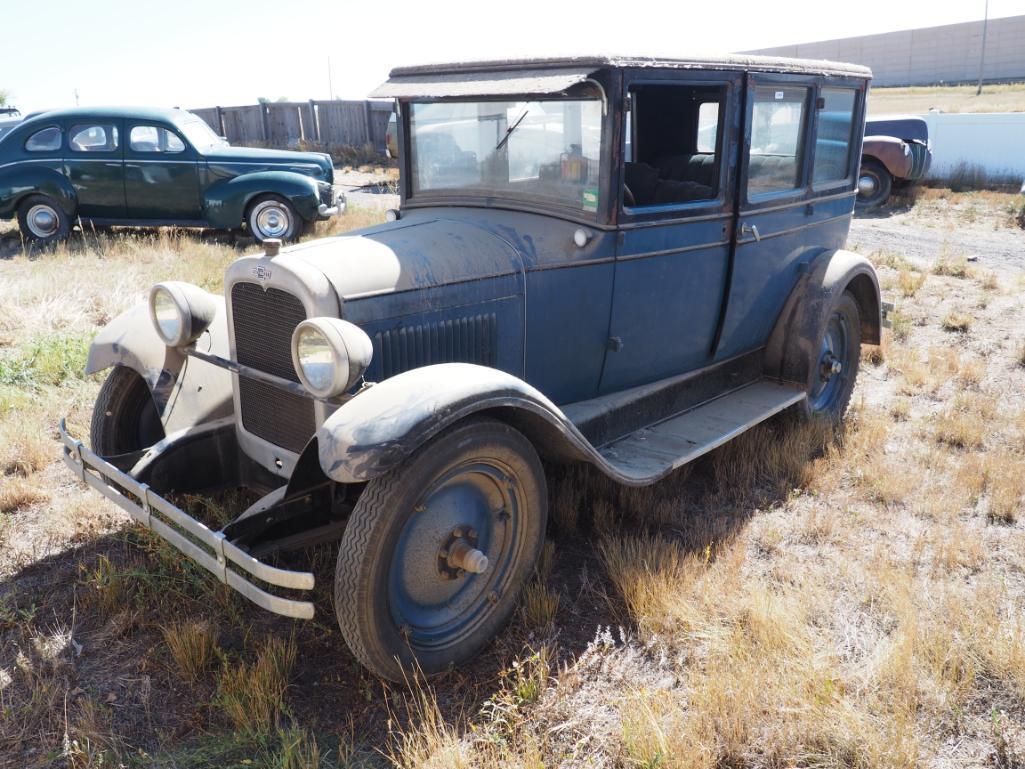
{"points": [[272, 220], [42, 220], [867, 186]]}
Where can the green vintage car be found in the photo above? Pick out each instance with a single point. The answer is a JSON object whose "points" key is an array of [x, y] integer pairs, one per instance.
{"points": [[155, 167]]}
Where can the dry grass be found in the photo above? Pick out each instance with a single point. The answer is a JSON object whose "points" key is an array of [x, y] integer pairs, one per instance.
{"points": [[959, 322], [193, 647], [795, 599], [995, 97], [252, 695]]}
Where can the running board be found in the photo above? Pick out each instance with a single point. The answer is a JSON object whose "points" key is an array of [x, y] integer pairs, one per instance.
{"points": [[652, 452]]}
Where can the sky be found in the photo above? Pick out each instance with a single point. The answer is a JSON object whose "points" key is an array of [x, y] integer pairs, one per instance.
{"points": [[201, 53]]}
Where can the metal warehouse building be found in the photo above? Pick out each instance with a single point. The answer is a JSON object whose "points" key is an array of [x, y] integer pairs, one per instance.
{"points": [[947, 54]]}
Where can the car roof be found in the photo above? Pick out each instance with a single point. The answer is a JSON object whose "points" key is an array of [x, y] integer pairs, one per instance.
{"points": [[715, 61], [174, 116]]}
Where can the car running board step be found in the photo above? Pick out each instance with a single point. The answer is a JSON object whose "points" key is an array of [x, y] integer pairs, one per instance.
{"points": [[654, 451]]}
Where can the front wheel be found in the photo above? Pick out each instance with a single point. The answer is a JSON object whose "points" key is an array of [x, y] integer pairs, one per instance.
{"points": [[125, 418], [874, 184], [833, 373], [435, 555], [271, 216], [42, 221]]}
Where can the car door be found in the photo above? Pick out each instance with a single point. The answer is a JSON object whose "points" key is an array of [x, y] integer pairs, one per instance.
{"points": [[673, 253], [94, 164], [787, 214], [161, 174]]}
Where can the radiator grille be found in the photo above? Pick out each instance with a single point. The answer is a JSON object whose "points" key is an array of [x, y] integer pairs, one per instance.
{"points": [[263, 326], [462, 340]]}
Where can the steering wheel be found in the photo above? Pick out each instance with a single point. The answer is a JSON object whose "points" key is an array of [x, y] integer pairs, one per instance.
{"points": [[628, 197]]}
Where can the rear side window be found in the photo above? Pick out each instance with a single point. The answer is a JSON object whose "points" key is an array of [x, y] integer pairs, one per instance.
{"points": [[833, 139], [46, 140], [149, 138], [93, 138], [777, 139]]}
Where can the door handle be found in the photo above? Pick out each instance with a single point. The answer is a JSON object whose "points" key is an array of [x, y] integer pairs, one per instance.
{"points": [[112, 165], [750, 229]]}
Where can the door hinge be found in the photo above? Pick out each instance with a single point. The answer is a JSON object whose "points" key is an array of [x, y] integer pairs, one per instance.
{"points": [[615, 343]]}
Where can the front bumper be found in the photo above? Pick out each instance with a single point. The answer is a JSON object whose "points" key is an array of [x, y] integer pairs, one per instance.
{"points": [[332, 207], [210, 549]]}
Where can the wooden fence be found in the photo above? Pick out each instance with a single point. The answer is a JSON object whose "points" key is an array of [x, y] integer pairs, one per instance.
{"points": [[285, 124]]}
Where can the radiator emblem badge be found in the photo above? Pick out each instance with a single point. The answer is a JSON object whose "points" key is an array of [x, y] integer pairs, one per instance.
{"points": [[262, 273]]}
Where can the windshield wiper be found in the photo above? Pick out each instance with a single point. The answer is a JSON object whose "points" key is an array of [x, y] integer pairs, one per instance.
{"points": [[509, 130]]}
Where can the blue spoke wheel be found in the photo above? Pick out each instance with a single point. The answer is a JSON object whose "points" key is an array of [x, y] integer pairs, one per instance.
{"points": [[835, 369], [436, 553]]}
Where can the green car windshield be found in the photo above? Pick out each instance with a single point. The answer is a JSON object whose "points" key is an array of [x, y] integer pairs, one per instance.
{"points": [[546, 151], [200, 135]]}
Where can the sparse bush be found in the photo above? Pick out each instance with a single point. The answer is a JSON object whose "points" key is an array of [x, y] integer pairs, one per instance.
{"points": [[959, 322], [900, 326], [252, 695], [193, 646], [952, 267], [910, 282]]}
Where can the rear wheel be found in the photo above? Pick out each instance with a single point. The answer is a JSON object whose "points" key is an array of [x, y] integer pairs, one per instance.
{"points": [[436, 553], [833, 373], [874, 184], [125, 418], [271, 216], [42, 221]]}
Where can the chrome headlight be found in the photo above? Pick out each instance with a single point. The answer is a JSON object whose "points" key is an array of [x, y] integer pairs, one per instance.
{"points": [[330, 355], [180, 312]]}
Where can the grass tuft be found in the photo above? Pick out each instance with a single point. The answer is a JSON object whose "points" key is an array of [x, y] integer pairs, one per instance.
{"points": [[193, 647], [958, 322], [252, 695]]}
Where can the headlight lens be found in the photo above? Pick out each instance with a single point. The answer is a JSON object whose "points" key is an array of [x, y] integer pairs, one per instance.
{"points": [[180, 312], [166, 316], [316, 358], [330, 355]]}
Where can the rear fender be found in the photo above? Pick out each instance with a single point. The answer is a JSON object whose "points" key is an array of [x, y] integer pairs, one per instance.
{"points": [[891, 152], [225, 202], [375, 431], [18, 182], [793, 345], [186, 390]]}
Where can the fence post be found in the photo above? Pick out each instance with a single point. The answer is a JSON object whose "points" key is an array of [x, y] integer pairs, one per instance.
{"points": [[314, 123], [366, 121], [264, 111]]}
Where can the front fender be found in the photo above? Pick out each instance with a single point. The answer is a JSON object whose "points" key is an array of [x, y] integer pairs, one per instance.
{"points": [[225, 202], [793, 345], [891, 152], [187, 391], [372, 433], [18, 181]]}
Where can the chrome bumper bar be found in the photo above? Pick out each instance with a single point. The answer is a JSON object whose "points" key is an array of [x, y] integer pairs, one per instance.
{"points": [[206, 547]]}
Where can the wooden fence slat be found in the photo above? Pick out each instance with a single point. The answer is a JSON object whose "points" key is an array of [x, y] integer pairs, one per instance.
{"points": [[285, 124]]}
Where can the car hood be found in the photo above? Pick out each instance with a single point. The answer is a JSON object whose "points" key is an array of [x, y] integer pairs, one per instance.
{"points": [[406, 256], [253, 157]]}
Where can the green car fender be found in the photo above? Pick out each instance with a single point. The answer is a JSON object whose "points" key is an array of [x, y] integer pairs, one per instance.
{"points": [[18, 182], [227, 201]]}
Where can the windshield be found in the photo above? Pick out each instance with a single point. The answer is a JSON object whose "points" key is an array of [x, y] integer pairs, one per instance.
{"points": [[547, 150], [200, 135]]}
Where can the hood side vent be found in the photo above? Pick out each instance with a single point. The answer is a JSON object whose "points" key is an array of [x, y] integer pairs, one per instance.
{"points": [[472, 339]]}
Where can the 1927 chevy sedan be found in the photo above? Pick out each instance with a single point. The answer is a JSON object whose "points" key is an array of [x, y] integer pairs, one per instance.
{"points": [[623, 262], [154, 167]]}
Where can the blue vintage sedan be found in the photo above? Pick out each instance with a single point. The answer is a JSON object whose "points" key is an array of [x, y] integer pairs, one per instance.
{"points": [[621, 262], [154, 167]]}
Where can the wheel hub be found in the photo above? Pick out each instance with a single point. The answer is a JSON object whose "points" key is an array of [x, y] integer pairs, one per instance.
{"points": [[42, 220], [830, 367], [272, 221], [866, 186], [459, 555]]}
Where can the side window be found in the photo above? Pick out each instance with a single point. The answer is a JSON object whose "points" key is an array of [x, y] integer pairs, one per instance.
{"points": [[777, 139], [149, 138], [833, 138], [672, 148], [93, 138], [46, 140]]}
